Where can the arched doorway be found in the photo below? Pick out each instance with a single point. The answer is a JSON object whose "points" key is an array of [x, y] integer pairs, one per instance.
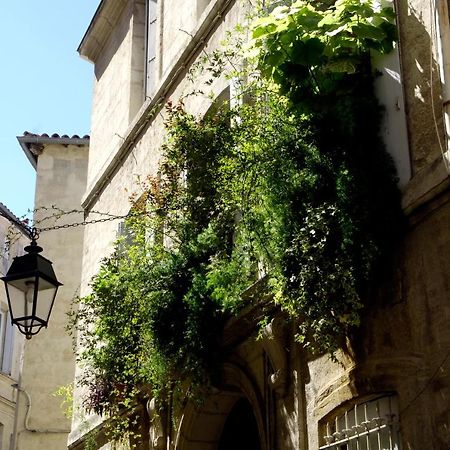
{"points": [[230, 418], [240, 431]]}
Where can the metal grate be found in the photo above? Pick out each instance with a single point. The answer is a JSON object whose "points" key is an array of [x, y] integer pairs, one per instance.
{"points": [[373, 425]]}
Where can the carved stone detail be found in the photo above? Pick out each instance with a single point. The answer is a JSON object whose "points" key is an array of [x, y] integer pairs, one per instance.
{"points": [[274, 344], [157, 427]]}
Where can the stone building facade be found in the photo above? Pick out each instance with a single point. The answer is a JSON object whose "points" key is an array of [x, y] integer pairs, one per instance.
{"points": [[48, 362], [390, 386], [13, 238]]}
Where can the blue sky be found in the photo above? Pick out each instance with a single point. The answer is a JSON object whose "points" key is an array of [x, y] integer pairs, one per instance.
{"points": [[45, 87]]}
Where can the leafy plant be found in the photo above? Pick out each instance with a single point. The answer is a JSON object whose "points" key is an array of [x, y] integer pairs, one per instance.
{"points": [[311, 49], [66, 395], [293, 185]]}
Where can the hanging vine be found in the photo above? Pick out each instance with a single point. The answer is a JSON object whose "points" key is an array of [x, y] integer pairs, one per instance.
{"points": [[294, 185]]}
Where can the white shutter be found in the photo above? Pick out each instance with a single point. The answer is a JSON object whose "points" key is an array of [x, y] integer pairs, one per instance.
{"points": [[8, 346]]}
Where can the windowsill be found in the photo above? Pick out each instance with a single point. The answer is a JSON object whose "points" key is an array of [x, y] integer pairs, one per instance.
{"points": [[6, 375]]}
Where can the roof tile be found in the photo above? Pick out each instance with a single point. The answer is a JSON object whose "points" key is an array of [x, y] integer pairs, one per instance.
{"points": [[55, 135]]}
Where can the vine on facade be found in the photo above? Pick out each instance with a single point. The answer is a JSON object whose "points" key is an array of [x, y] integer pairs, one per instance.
{"points": [[293, 185]]}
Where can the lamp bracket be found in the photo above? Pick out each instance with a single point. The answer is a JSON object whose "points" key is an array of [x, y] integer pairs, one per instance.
{"points": [[33, 247]]}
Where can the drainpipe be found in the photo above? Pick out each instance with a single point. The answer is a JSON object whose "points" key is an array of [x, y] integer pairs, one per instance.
{"points": [[17, 387], [27, 414]]}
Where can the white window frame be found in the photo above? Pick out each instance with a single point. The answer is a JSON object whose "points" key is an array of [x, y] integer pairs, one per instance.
{"points": [[394, 131], [6, 342]]}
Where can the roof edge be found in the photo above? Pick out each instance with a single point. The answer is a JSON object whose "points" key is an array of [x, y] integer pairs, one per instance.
{"points": [[32, 158], [100, 27], [7, 214], [29, 140]]}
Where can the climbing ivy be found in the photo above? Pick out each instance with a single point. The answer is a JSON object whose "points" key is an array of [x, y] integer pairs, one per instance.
{"points": [[293, 185]]}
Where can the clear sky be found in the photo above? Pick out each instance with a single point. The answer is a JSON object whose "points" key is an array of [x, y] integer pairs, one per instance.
{"points": [[45, 87]]}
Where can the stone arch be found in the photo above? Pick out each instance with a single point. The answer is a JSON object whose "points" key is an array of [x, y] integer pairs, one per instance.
{"points": [[203, 425], [224, 98]]}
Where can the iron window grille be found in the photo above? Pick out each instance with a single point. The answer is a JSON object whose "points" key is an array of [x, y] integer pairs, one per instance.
{"points": [[372, 425]]}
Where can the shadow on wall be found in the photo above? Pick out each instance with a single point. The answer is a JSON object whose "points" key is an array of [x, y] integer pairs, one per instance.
{"points": [[115, 40]]}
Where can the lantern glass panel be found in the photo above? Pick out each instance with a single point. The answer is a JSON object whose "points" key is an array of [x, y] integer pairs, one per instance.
{"points": [[21, 297], [22, 283], [46, 296]]}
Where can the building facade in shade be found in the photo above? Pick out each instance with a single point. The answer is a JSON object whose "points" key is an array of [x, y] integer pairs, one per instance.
{"points": [[392, 389], [13, 239]]}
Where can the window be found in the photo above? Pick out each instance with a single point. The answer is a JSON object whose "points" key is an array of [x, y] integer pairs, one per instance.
{"points": [[372, 425], [6, 342], [125, 236]]}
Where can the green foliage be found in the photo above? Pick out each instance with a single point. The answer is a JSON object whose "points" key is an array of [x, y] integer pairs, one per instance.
{"points": [[66, 395], [293, 185], [312, 48]]}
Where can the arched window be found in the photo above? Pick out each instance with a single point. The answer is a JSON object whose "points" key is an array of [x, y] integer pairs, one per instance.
{"points": [[370, 425]]}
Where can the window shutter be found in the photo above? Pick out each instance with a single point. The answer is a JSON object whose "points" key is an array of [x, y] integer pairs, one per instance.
{"points": [[389, 90], [152, 19], [8, 345]]}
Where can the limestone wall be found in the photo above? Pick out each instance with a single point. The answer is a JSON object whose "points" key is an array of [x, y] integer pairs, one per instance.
{"points": [[136, 165], [48, 358], [403, 343], [142, 158], [118, 84], [176, 30], [421, 80]]}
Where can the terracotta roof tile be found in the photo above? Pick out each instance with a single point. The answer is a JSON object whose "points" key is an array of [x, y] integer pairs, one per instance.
{"points": [[55, 135], [32, 142]]}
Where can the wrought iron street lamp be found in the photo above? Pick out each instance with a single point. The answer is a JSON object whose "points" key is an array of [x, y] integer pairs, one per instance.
{"points": [[31, 288]]}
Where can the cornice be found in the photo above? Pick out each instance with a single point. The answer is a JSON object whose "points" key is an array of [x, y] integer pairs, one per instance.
{"points": [[99, 30]]}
